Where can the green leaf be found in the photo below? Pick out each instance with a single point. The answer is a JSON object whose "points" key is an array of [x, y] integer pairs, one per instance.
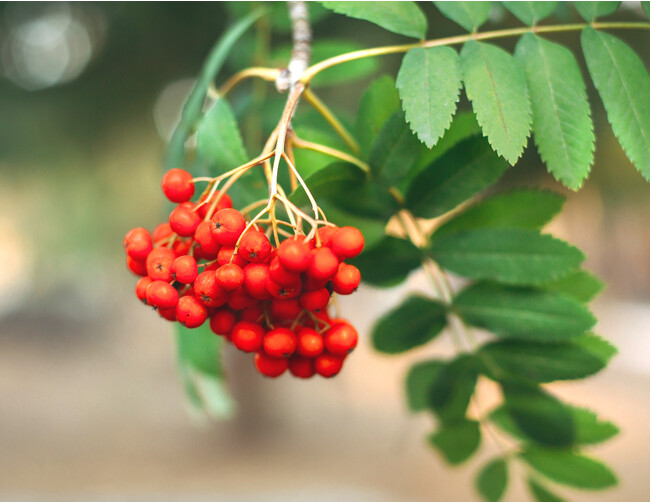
{"points": [[470, 15], [199, 364], [530, 13], [572, 469], [395, 150], [463, 126], [377, 269], [589, 428], [561, 116], [539, 415], [463, 171], [646, 8], [378, 104], [525, 208], [541, 494], [450, 394], [495, 84], [492, 480], [419, 381], [194, 103], [219, 140], [624, 86], [327, 182], [544, 362], [457, 441], [512, 256], [413, 323], [429, 84], [581, 285], [523, 313], [592, 10], [325, 49], [403, 18]]}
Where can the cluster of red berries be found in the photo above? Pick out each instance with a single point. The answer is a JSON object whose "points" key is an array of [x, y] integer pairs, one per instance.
{"points": [[270, 301]]}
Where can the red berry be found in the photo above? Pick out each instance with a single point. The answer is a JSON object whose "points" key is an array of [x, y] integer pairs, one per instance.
{"points": [[318, 320], [247, 336], [168, 313], [208, 291], [346, 280], [279, 342], [284, 292], [224, 202], [222, 321], [230, 276], [190, 312], [240, 300], [310, 342], [182, 246], [161, 294], [135, 266], [341, 339], [255, 276], [178, 185], [281, 275], [159, 264], [324, 264], [315, 300], [138, 244], [227, 225], [254, 246], [184, 269], [311, 284], [141, 289], [301, 367], [225, 255], [184, 221], [205, 241], [285, 310], [294, 256], [162, 232], [325, 234], [347, 242], [253, 314], [328, 365], [270, 366]]}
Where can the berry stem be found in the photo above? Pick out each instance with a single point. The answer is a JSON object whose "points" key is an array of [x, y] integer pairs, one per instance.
{"points": [[331, 119], [268, 74], [332, 152]]}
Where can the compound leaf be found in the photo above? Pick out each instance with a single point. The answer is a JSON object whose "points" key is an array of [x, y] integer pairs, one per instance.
{"points": [[429, 84], [562, 126], [523, 313], [403, 18], [530, 13], [538, 362], [592, 10], [378, 270], [464, 170], [419, 382], [512, 256], [470, 15], [624, 86], [413, 323], [492, 480], [569, 468], [457, 441], [495, 84], [581, 285]]}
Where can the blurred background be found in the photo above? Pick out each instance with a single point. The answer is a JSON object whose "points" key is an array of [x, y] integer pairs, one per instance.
{"points": [[90, 404]]}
